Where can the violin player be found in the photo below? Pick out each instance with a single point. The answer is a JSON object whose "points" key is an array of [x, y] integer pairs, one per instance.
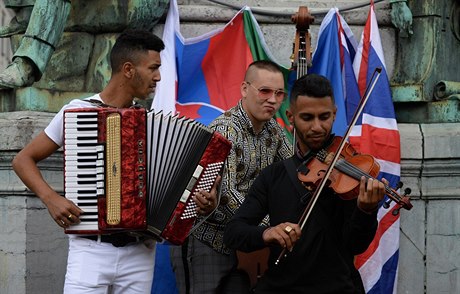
{"points": [[319, 257]]}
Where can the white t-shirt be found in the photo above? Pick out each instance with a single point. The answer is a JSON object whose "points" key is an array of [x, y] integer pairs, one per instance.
{"points": [[55, 129]]}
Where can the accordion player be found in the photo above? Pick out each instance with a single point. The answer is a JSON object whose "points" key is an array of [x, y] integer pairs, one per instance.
{"points": [[131, 170]]}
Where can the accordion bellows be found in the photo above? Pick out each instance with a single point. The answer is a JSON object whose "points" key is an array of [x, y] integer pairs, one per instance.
{"points": [[136, 171]]}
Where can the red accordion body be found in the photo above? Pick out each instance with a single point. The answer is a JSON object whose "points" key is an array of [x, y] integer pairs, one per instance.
{"points": [[168, 212]]}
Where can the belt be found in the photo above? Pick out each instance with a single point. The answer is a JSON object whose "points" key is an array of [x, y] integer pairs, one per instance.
{"points": [[117, 240]]}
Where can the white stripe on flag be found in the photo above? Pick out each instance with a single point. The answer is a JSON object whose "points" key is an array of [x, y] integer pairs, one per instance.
{"points": [[380, 122], [389, 167], [356, 131], [326, 20], [165, 94], [375, 38], [371, 269]]}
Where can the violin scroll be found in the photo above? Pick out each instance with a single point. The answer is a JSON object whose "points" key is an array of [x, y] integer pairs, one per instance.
{"points": [[403, 201]]}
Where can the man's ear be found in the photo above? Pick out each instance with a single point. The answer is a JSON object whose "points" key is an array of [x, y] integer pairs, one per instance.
{"points": [[290, 116], [244, 89], [128, 69]]}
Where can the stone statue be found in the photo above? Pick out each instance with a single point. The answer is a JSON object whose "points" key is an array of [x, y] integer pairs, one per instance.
{"points": [[44, 21], [44, 29], [401, 17]]}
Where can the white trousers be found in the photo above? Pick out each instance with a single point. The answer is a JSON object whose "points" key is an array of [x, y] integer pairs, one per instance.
{"points": [[100, 268]]}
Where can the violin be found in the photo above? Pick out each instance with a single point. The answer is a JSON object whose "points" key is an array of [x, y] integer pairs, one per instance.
{"points": [[348, 170]]}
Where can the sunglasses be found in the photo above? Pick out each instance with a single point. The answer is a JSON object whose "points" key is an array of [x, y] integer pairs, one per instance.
{"points": [[267, 93]]}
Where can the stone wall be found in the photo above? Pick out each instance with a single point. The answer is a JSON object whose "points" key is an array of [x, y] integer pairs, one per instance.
{"points": [[33, 250]]}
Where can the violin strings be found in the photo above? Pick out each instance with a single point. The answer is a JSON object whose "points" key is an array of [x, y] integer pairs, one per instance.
{"points": [[357, 173]]}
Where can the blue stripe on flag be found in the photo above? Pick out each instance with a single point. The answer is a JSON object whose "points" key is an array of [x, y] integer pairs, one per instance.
{"points": [[380, 103], [326, 62], [192, 84], [387, 279]]}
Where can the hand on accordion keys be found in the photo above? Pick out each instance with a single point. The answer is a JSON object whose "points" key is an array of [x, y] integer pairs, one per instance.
{"points": [[64, 212], [207, 201]]}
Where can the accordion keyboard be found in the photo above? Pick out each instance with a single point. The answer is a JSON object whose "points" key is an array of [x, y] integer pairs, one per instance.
{"points": [[84, 166]]}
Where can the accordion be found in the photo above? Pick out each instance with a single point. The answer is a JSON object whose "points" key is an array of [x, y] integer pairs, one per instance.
{"points": [[131, 170]]}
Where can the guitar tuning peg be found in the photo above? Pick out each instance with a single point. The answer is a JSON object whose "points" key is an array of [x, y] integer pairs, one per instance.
{"points": [[395, 211], [399, 185]]}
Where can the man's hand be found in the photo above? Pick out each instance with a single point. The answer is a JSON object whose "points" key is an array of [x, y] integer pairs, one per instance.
{"points": [[63, 211], [370, 193], [206, 202], [284, 234]]}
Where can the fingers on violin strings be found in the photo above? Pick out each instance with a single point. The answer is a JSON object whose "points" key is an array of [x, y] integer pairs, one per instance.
{"points": [[385, 181], [362, 185], [371, 184], [381, 190]]}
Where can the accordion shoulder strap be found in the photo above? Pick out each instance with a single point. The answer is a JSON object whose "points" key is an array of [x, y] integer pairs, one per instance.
{"points": [[99, 103]]}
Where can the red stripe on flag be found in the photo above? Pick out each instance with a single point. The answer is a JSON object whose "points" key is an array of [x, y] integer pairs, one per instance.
{"points": [[225, 63], [362, 77], [380, 143], [340, 31], [281, 122], [191, 111], [385, 223]]}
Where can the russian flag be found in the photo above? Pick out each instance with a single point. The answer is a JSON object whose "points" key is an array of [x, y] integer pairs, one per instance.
{"points": [[377, 134], [201, 76]]}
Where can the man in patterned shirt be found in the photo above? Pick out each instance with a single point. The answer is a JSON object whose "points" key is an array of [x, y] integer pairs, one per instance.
{"points": [[204, 264]]}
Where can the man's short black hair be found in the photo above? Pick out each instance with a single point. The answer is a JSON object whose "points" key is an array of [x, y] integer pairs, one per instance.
{"points": [[130, 43], [263, 64], [312, 85]]}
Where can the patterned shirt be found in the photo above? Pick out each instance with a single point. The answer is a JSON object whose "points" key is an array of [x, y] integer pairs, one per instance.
{"points": [[250, 153]]}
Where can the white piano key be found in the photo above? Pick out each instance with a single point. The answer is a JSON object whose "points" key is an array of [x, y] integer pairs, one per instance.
{"points": [[74, 150], [80, 126], [81, 164], [90, 116], [76, 173], [82, 187], [73, 132], [80, 114], [76, 158], [83, 226], [90, 209], [77, 142]]}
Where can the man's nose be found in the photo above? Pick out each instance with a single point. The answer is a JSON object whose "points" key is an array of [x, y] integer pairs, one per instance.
{"points": [[272, 98], [316, 124], [157, 76]]}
